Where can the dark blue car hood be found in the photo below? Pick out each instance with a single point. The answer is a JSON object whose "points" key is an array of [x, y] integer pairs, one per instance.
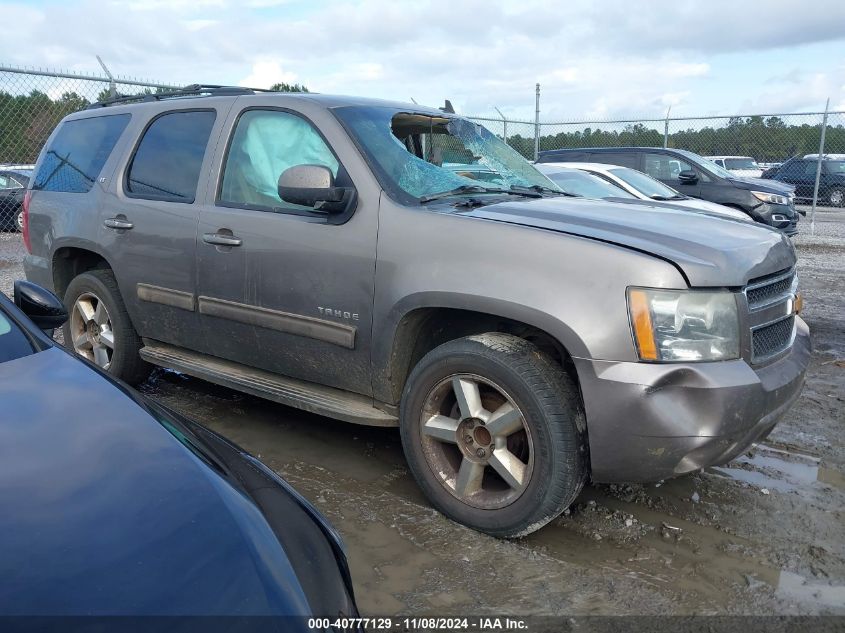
{"points": [[106, 512]]}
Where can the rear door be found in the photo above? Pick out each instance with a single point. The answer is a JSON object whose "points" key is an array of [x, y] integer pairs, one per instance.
{"points": [[280, 286], [148, 219]]}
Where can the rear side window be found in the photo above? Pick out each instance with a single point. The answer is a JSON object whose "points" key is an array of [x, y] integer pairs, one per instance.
{"points": [[166, 165], [78, 152]]}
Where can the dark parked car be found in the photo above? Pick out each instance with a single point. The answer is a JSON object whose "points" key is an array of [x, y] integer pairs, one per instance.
{"points": [[113, 505], [801, 174], [13, 184], [693, 175]]}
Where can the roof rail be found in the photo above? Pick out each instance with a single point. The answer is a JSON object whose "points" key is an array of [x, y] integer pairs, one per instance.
{"points": [[208, 90]]}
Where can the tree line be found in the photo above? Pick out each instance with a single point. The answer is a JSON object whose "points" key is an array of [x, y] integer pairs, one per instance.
{"points": [[769, 139], [27, 120]]}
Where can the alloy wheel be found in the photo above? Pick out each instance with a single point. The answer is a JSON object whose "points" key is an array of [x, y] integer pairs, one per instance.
{"points": [[91, 330], [476, 441], [837, 197]]}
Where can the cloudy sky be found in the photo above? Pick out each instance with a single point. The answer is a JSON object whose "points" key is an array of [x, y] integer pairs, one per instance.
{"points": [[601, 59]]}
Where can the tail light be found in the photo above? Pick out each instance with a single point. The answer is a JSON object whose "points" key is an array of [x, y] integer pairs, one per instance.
{"points": [[25, 227]]}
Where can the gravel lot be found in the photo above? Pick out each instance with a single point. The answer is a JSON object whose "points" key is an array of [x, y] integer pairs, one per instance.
{"points": [[763, 534]]}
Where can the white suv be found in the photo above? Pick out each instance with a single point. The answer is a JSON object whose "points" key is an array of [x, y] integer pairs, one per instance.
{"points": [[744, 166]]}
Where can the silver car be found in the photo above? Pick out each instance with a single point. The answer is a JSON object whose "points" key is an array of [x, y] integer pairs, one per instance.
{"points": [[314, 250]]}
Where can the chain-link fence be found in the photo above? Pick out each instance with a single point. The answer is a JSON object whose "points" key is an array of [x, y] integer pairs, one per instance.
{"points": [[749, 145], [32, 102]]}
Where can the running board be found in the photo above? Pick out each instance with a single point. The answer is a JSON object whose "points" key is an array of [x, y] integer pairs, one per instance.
{"points": [[307, 396]]}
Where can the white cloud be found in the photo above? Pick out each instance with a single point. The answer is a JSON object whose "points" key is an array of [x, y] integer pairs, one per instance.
{"points": [[265, 73], [602, 58]]}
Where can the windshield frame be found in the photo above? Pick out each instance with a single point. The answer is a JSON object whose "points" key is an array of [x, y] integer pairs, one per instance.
{"points": [[390, 185]]}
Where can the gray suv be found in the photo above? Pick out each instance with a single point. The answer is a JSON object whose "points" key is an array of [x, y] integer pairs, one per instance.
{"points": [[394, 265]]}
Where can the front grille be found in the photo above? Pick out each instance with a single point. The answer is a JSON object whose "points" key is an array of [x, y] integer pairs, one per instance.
{"points": [[770, 340], [769, 289]]}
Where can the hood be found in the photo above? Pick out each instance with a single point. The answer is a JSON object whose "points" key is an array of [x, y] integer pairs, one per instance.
{"points": [[763, 184], [692, 205], [709, 251], [107, 512]]}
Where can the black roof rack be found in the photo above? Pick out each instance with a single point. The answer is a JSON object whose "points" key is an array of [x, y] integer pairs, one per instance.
{"points": [[193, 90]]}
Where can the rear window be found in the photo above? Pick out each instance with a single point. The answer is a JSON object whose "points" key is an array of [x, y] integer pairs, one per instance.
{"points": [[167, 163], [78, 152]]}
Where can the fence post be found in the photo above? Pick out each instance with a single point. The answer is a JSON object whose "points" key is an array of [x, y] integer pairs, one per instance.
{"points": [[818, 170], [537, 126], [666, 129], [504, 125], [112, 85]]}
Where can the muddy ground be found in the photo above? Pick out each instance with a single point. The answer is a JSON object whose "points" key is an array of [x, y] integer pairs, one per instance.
{"points": [[762, 535]]}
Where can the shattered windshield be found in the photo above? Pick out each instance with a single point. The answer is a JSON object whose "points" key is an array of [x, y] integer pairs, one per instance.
{"points": [[420, 155]]}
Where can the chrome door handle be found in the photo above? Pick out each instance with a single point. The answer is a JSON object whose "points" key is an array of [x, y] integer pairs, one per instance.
{"points": [[219, 239], [118, 223]]}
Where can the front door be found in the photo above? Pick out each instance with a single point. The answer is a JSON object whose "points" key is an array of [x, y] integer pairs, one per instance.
{"points": [[148, 223], [666, 167], [280, 286]]}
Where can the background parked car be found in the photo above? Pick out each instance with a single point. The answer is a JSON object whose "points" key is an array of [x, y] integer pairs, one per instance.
{"points": [[639, 186], [13, 184], [744, 166], [113, 505], [801, 173], [765, 201]]}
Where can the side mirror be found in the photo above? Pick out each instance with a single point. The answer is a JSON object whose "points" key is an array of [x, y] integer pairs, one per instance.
{"points": [[313, 186], [42, 307], [688, 177]]}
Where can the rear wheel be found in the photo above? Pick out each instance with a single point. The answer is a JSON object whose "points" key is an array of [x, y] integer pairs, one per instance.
{"points": [[19, 221], [837, 197], [494, 433], [99, 328]]}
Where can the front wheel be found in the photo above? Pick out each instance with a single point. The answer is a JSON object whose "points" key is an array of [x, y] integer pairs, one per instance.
{"points": [[494, 433], [837, 197]]}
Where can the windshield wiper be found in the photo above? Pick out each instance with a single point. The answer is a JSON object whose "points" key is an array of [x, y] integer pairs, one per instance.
{"points": [[458, 191], [464, 189], [665, 198]]}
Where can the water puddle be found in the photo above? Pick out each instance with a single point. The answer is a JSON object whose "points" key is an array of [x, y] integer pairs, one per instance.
{"points": [[776, 469], [795, 586]]}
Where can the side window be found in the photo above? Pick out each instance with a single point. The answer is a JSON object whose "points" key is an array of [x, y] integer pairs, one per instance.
{"points": [[664, 166], [78, 152], [266, 143], [5, 182], [166, 165], [810, 168]]}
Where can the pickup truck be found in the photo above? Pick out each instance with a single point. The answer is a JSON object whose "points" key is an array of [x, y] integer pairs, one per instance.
{"points": [[315, 250]]}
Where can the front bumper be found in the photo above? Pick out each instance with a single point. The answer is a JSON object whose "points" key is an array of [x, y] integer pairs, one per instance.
{"points": [[648, 422], [768, 212]]}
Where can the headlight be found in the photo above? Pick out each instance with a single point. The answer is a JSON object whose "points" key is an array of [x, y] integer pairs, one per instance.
{"points": [[684, 325], [771, 198]]}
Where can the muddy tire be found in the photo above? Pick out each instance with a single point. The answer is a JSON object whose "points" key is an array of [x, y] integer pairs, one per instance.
{"points": [[99, 327], [494, 433]]}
